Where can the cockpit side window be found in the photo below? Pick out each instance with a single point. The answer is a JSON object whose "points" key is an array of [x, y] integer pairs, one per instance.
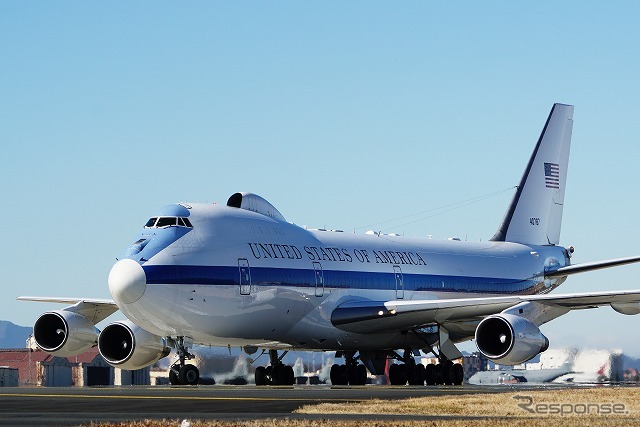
{"points": [[151, 222], [187, 223]]}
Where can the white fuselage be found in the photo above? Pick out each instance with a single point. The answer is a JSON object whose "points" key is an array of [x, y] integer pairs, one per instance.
{"points": [[242, 278]]}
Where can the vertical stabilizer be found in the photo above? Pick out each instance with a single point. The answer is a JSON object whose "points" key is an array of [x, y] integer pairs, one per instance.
{"points": [[535, 214]]}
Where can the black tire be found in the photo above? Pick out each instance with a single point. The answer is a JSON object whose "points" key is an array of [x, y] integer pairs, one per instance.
{"points": [[394, 374], [351, 375], [268, 375], [412, 373], [260, 376], [403, 370], [338, 375], [289, 376], [416, 374], [458, 374], [439, 371], [189, 375], [447, 373], [277, 375], [361, 375], [333, 374], [174, 379], [430, 374]]}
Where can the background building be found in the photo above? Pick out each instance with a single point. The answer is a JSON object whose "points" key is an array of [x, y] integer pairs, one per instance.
{"points": [[37, 368]]}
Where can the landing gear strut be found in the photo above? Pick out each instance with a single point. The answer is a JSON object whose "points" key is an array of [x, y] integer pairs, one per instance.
{"points": [[277, 373], [179, 372], [351, 373]]}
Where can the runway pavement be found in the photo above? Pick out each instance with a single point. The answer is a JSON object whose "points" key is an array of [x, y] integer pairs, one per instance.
{"points": [[74, 406]]}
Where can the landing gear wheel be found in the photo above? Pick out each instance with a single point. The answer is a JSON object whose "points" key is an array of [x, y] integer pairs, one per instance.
{"points": [[403, 374], [393, 374], [189, 375], [458, 374], [289, 377], [338, 374], [447, 373], [439, 371], [260, 376], [277, 376], [361, 375], [398, 374], [173, 377], [415, 374], [430, 374]]}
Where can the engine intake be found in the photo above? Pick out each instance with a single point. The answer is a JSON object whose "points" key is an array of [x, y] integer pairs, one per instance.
{"points": [[128, 346], [64, 333], [508, 339]]}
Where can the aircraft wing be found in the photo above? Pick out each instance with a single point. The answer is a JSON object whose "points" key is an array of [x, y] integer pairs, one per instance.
{"points": [[96, 310], [365, 316]]}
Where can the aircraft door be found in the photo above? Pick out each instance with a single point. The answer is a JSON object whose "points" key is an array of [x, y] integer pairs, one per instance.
{"points": [[399, 282], [245, 276], [317, 271]]}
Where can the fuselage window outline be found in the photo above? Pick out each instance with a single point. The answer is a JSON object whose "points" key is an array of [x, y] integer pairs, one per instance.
{"points": [[168, 221]]}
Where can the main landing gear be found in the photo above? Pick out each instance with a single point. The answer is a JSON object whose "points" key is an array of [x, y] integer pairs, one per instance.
{"points": [[179, 372], [444, 373], [277, 373], [351, 373]]}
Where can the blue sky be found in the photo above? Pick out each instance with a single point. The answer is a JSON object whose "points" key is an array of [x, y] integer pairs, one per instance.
{"points": [[342, 114]]}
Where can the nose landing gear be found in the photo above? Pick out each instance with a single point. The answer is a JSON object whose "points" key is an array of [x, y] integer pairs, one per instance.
{"points": [[181, 373]]}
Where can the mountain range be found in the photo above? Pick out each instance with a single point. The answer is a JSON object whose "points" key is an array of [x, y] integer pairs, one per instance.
{"points": [[12, 335]]}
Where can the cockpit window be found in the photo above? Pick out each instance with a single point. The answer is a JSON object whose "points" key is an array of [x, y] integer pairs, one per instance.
{"points": [[151, 222], [167, 221]]}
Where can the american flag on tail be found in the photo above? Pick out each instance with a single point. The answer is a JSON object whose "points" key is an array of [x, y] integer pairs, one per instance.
{"points": [[552, 175]]}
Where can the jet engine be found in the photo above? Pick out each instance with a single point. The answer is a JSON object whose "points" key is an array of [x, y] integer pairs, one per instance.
{"points": [[64, 333], [509, 340], [128, 346]]}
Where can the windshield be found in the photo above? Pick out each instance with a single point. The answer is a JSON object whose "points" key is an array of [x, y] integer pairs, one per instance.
{"points": [[167, 221]]}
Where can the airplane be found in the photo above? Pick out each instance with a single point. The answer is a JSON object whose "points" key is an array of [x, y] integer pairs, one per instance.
{"points": [[241, 275]]}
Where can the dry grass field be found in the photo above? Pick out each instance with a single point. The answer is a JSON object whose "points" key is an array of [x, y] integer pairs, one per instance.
{"points": [[607, 406], [333, 423], [573, 402]]}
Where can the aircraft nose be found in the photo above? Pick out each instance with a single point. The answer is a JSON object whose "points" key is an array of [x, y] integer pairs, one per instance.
{"points": [[127, 281]]}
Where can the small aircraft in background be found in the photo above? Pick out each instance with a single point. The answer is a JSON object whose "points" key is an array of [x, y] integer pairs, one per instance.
{"points": [[241, 275]]}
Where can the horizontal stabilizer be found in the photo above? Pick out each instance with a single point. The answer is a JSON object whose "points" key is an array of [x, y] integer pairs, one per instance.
{"points": [[581, 268]]}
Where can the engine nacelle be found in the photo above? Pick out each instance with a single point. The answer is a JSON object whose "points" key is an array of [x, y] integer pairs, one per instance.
{"points": [[509, 340], [64, 333], [127, 346]]}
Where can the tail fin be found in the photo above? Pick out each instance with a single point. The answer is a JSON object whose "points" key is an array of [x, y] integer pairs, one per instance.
{"points": [[535, 214]]}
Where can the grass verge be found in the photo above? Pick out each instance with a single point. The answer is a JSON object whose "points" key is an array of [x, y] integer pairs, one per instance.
{"points": [[572, 407]]}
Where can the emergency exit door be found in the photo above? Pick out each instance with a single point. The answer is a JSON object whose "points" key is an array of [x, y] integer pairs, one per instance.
{"points": [[397, 272], [317, 271]]}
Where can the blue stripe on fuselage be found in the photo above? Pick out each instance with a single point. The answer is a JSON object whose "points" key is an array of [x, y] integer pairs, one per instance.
{"points": [[261, 276]]}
